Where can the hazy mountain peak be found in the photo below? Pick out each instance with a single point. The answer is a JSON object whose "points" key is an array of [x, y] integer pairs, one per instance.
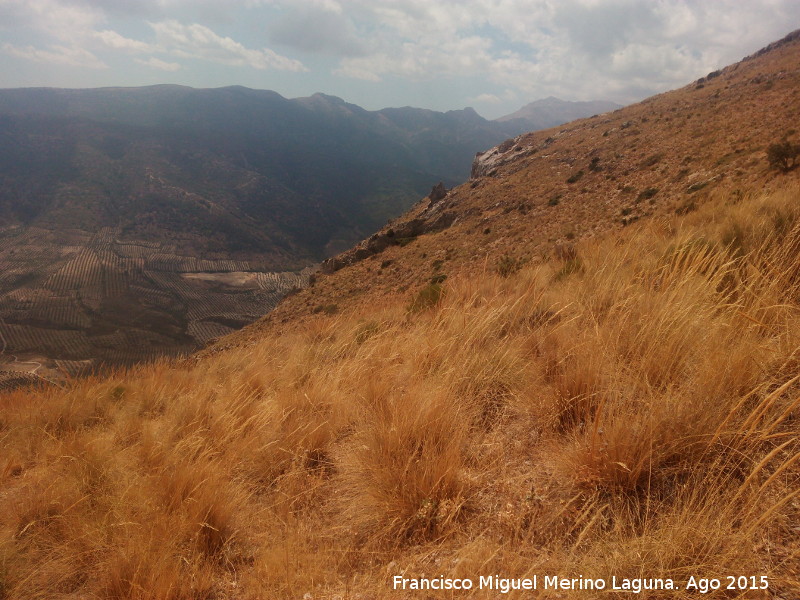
{"points": [[551, 111]]}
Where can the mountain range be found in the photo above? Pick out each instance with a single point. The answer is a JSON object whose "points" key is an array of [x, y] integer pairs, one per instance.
{"points": [[230, 172], [551, 111], [140, 222]]}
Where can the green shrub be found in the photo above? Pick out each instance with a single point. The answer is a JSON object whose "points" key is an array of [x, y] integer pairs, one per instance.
{"points": [[652, 159], [575, 177], [646, 194], [328, 309], [783, 156]]}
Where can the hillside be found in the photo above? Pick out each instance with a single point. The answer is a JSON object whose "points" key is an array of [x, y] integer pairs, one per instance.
{"points": [[518, 380], [536, 194], [229, 173]]}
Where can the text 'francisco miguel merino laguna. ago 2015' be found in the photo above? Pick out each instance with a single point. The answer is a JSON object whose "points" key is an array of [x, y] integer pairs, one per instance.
{"points": [[554, 582]]}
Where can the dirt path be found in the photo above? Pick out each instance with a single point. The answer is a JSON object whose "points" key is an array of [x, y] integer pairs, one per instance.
{"points": [[16, 360], [2, 338]]}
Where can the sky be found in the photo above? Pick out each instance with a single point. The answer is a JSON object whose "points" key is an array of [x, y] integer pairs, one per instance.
{"points": [[493, 55]]}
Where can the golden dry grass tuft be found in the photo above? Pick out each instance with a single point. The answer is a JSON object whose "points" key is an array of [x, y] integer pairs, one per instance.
{"points": [[636, 416]]}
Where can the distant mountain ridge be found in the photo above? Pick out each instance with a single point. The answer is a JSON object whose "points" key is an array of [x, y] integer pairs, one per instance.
{"points": [[294, 179], [552, 111], [276, 178]]}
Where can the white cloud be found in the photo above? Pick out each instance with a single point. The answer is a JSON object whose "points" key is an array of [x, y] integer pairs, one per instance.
{"points": [[517, 49], [319, 30], [114, 40], [575, 48], [157, 63], [198, 41], [57, 55], [53, 18]]}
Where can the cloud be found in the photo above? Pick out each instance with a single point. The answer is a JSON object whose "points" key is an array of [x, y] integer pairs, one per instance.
{"points": [[57, 55], [575, 48], [157, 63], [423, 59], [514, 49], [114, 40], [198, 41], [318, 31], [52, 18]]}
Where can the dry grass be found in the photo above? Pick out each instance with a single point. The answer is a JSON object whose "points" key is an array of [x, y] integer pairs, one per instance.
{"points": [[636, 416]]}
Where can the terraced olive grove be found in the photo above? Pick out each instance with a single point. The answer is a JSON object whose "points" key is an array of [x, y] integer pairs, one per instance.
{"points": [[68, 305]]}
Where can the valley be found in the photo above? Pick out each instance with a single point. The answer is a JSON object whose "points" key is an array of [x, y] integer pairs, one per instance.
{"points": [[138, 223]]}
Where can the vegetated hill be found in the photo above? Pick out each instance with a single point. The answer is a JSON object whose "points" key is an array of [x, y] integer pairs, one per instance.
{"points": [[627, 412], [552, 111], [620, 406]]}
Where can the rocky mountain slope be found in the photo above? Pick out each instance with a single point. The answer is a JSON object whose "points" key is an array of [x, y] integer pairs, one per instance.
{"points": [[231, 172]]}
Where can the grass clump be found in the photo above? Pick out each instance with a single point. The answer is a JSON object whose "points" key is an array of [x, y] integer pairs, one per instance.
{"points": [[428, 297], [507, 265]]}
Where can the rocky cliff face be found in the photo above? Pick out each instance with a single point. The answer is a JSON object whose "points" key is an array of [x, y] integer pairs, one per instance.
{"points": [[486, 163]]}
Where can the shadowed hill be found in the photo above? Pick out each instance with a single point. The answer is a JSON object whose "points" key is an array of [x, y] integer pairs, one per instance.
{"points": [[233, 171]]}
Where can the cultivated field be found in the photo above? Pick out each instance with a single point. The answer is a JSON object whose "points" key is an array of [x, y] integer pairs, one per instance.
{"points": [[78, 300]]}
